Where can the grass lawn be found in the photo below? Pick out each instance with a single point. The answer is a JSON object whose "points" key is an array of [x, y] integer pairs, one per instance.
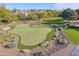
{"points": [[72, 35], [31, 36], [54, 20]]}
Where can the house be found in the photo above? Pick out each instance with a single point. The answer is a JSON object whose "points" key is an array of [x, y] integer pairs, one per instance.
{"points": [[22, 12]]}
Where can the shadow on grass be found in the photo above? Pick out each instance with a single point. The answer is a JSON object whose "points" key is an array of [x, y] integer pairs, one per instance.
{"points": [[74, 28], [53, 22]]}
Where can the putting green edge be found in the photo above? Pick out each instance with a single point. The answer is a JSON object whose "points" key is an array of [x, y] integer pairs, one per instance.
{"points": [[48, 37]]}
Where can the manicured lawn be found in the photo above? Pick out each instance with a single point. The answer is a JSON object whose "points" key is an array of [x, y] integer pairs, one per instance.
{"points": [[72, 35], [54, 20], [31, 36]]}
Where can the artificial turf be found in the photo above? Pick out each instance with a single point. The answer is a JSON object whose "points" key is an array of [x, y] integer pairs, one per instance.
{"points": [[31, 36]]}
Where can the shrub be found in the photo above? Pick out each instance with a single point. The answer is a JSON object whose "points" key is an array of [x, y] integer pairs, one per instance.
{"points": [[10, 45], [38, 54], [4, 21]]}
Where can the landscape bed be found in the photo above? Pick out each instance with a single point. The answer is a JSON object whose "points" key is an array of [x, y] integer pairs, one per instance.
{"points": [[31, 36]]}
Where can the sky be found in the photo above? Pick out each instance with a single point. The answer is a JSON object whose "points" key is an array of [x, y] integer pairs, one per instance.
{"points": [[54, 6]]}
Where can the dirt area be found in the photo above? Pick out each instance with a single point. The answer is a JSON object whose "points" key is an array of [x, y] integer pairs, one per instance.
{"points": [[65, 51], [11, 52], [15, 52]]}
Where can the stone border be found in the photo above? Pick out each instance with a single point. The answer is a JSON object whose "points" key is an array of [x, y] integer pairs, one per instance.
{"points": [[20, 39], [11, 27]]}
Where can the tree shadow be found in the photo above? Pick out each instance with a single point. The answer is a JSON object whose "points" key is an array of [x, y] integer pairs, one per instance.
{"points": [[53, 22], [74, 28]]}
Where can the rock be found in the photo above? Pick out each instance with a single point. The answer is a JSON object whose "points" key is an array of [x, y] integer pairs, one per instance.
{"points": [[6, 28], [26, 50], [65, 41]]}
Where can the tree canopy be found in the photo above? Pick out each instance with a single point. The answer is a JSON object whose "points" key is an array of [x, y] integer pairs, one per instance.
{"points": [[69, 14], [33, 16], [6, 15], [77, 10]]}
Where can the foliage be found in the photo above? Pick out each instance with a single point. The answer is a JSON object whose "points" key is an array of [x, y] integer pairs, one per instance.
{"points": [[22, 17], [32, 16], [43, 14], [54, 13], [69, 14], [4, 37], [9, 45], [6, 15], [50, 13], [77, 10]]}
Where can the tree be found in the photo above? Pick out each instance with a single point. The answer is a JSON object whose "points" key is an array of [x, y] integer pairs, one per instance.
{"points": [[21, 17], [77, 10], [69, 14], [8, 18], [6, 15], [33, 16], [14, 10], [43, 14], [54, 13], [50, 14]]}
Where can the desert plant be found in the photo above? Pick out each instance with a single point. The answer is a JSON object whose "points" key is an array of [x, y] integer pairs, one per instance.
{"points": [[9, 45]]}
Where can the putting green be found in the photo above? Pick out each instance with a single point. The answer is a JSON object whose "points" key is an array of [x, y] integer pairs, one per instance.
{"points": [[30, 36]]}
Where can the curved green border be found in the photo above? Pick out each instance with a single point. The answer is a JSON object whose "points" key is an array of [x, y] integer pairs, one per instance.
{"points": [[48, 37]]}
